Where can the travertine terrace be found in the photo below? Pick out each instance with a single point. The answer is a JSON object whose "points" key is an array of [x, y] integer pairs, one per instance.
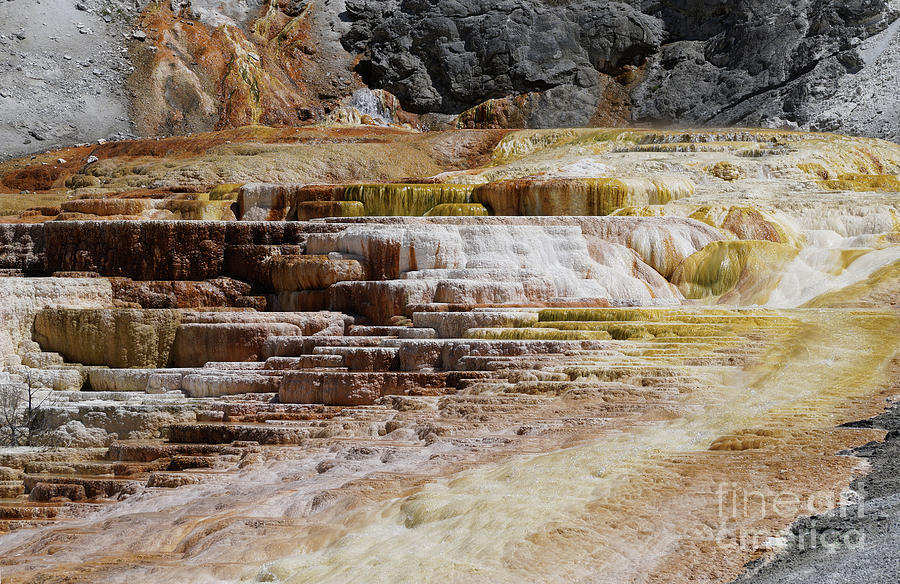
{"points": [[375, 355]]}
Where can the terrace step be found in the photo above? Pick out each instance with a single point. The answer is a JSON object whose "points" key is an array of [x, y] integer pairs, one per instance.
{"points": [[26, 511], [207, 434], [11, 489], [93, 488], [357, 388], [315, 361], [145, 452], [364, 358]]}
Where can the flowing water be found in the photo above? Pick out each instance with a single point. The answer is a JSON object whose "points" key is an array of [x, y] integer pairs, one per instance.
{"points": [[507, 522]]}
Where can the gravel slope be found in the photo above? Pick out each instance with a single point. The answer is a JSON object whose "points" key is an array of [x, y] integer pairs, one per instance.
{"points": [[868, 538], [61, 83]]}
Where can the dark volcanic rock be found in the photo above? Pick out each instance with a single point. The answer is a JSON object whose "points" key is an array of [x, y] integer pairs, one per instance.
{"points": [[439, 56], [752, 62]]}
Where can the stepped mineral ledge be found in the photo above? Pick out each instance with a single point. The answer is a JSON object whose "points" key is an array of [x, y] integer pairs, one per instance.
{"points": [[358, 354]]}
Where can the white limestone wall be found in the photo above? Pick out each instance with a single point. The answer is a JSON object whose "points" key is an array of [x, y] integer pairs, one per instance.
{"points": [[22, 298]]}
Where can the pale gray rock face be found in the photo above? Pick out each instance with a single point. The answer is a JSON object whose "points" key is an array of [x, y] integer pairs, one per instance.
{"points": [[771, 63]]}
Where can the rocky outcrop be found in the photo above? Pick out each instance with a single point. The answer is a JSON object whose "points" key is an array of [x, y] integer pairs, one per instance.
{"points": [[570, 64], [756, 62], [824, 65]]}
